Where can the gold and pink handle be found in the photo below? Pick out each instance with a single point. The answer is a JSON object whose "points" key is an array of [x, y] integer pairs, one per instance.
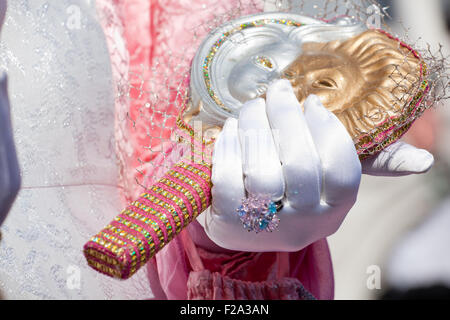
{"points": [[152, 221]]}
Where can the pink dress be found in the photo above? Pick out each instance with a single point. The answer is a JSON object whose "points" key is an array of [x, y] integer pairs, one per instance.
{"points": [[161, 38], [188, 271]]}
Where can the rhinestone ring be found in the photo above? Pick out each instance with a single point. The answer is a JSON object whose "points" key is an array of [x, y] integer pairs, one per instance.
{"points": [[259, 213]]}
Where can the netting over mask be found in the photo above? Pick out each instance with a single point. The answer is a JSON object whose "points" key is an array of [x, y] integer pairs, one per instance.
{"points": [[157, 86]]}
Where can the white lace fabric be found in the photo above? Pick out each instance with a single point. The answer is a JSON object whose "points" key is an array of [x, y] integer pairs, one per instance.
{"points": [[62, 104]]}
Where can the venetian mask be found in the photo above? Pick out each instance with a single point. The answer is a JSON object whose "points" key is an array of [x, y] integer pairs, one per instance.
{"points": [[371, 81]]}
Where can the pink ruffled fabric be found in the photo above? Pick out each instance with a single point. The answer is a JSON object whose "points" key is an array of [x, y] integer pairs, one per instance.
{"points": [[205, 285], [157, 33], [252, 276], [186, 271]]}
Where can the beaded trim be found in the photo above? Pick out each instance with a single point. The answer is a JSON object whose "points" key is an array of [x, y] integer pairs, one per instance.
{"points": [[152, 221]]}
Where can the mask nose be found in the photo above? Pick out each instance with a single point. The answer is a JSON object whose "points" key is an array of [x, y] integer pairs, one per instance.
{"points": [[297, 81], [299, 90]]}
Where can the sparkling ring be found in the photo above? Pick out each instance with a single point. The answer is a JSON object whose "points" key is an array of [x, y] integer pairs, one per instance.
{"points": [[259, 213]]}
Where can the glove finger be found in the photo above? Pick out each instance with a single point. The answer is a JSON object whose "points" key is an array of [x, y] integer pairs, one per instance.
{"points": [[297, 152], [227, 179], [341, 167], [261, 164], [398, 159]]}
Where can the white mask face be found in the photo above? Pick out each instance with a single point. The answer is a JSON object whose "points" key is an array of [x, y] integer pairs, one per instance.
{"points": [[250, 77]]}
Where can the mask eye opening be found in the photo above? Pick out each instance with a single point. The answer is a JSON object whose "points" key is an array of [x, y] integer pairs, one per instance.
{"points": [[289, 74], [264, 62], [325, 83]]}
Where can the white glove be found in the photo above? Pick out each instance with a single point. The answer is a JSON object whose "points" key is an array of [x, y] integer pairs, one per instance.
{"points": [[305, 158], [316, 171], [9, 167]]}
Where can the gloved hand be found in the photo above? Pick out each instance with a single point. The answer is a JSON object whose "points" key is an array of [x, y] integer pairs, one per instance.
{"points": [[304, 158]]}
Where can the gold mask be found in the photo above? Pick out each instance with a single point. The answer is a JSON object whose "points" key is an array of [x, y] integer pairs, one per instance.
{"points": [[365, 80]]}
